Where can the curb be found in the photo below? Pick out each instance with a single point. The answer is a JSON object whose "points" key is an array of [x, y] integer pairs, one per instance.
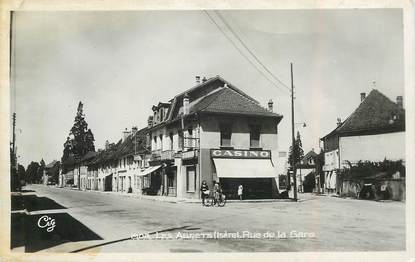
{"points": [[180, 201]]}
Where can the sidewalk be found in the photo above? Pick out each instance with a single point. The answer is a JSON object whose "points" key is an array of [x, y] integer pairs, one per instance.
{"points": [[182, 200]]}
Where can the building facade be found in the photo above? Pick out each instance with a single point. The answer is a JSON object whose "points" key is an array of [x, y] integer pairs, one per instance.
{"points": [[375, 131], [212, 132]]}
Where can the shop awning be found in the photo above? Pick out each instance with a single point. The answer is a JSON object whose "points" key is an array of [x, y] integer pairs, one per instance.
{"points": [[148, 170], [244, 168]]}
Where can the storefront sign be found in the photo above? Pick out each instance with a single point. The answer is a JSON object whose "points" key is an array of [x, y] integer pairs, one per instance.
{"points": [[221, 153]]}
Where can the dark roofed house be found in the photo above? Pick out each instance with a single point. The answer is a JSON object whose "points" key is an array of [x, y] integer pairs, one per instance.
{"points": [[128, 158], [375, 131], [189, 134], [51, 173], [305, 171]]}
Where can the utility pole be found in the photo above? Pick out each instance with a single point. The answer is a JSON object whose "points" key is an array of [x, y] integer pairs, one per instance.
{"points": [[14, 134], [292, 136]]}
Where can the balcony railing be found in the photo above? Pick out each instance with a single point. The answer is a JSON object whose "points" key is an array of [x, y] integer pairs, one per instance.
{"points": [[190, 142], [189, 154], [156, 154], [167, 155]]}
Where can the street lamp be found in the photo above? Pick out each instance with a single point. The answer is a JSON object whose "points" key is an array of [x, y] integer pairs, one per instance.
{"points": [[301, 123]]}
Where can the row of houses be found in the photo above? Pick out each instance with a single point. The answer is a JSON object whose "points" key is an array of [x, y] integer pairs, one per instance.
{"points": [[210, 132]]}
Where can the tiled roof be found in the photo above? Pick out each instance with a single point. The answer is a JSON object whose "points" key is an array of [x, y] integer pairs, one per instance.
{"points": [[209, 82], [375, 114], [51, 164], [127, 147], [229, 101], [311, 153], [89, 156], [215, 95]]}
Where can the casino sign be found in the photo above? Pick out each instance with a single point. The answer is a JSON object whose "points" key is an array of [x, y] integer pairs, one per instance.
{"points": [[247, 154]]}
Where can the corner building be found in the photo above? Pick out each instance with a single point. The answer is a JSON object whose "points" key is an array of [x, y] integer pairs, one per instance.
{"points": [[213, 132]]}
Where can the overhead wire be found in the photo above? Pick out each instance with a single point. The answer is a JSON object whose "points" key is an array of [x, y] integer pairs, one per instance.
{"points": [[240, 51], [222, 18]]}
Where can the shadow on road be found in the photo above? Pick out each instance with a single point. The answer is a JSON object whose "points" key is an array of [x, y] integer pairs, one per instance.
{"points": [[26, 232], [33, 203]]}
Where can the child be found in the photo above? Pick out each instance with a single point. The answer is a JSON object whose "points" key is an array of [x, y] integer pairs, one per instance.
{"points": [[240, 191]]}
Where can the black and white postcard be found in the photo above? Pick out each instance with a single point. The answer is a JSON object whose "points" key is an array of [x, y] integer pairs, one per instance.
{"points": [[224, 130]]}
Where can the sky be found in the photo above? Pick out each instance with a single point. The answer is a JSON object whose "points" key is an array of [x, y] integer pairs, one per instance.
{"points": [[119, 64]]}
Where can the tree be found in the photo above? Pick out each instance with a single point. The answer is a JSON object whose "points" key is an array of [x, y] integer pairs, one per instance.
{"points": [[298, 151], [39, 174], [22, 172], [54, 173], [80, 140], [14, 175], [31, 172]]}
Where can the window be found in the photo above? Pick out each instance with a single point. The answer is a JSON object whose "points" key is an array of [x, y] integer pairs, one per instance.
{"points": [[161, 114], [225, 135], [181, 140], [170, 181], [189, 141], [254, 135], [155, 143], [161, 142], [191, 179], [146, 181], [171, 141]]}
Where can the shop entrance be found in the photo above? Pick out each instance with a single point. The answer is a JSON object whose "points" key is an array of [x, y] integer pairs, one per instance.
{"points": [[172, 181], [253, 188], [155, 184]]}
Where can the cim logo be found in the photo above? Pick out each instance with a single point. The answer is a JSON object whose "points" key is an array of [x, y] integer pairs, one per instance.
{"points": [[220, 153]]}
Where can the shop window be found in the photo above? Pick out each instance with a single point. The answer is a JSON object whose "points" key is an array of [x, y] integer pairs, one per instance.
{"points": [[191, 179], [146, 181], [254, 136], [225, 135]]}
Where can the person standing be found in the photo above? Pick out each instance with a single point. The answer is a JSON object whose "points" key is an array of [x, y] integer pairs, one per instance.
{"points": [[205, 191], [216, 192], [240, 191]]}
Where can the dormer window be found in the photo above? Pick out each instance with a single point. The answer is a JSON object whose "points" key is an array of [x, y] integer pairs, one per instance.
{"points": [[161, 114]]}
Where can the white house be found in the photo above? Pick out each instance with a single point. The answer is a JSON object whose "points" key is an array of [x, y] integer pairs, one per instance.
{"points": [[373, 132]]}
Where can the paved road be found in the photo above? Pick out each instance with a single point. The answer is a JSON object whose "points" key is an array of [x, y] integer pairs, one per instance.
{"points": [[317, 224]]}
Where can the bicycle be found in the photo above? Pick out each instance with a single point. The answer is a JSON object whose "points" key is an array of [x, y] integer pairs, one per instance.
{"points": [[211, 201]]}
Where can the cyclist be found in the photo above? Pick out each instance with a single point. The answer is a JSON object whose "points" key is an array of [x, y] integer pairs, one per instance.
{"points": [[204, 189], [217, 193]]}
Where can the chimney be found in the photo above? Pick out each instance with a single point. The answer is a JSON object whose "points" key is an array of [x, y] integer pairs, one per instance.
{"points": [[186, 104], [339, 121], [362, 96], [399, 101], [270, 105], [197, 79], [150, 121], [204, 79], [125, 133]]}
